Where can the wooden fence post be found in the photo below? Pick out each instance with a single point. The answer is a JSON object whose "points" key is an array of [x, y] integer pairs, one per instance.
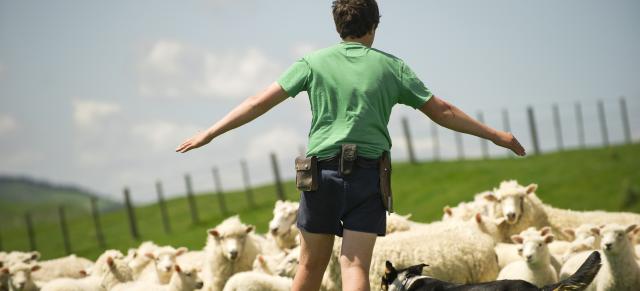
{"points": [[218, 184], [603, 124], [407, 137], [483, 142], [164, 214], [558, 126], [247, 184], [436, 141], [580, 125], [534, 132], [276, 174], [64, 229], [459, 145], [624, 114], [133, 225], [506, 125], [96, 222], [191, 200], [30, 232]]}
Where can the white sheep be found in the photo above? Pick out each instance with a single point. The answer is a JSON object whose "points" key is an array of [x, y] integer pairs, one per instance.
{"points": [[536, 267], [396, 223], [509, 253], [138, 261], [231, 248], [14, 257], [21, 279], [282, 227], [619, 271], [257, 281], [191, 259], [70, 266], [181, 280], [110, 269], [466, 210], [164, 260]]}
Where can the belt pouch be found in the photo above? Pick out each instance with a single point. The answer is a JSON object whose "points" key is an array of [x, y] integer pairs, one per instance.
{"points": [[385, 181], [307, 173], [347, 159]]}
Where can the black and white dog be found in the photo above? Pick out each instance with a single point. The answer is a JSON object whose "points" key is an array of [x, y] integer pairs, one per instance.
{"points": [[411, 279]]}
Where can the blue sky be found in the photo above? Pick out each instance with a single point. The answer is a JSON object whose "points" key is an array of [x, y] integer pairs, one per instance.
{"points": [[99, 93]]}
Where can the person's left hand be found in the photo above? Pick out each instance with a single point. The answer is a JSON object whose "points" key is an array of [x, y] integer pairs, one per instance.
{"points": [[196, 141]]}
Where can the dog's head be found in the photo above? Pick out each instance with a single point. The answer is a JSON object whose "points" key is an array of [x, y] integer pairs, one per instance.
{"points": [[395, 280]]}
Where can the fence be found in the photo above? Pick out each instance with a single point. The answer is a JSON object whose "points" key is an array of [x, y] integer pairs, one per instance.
{"points": [[544, 135]]}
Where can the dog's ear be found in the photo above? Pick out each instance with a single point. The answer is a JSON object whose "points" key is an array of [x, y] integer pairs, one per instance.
{"points": [[388, 266], [416, 269]]}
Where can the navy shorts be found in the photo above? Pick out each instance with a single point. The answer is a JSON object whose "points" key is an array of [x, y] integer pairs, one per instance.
{"points": [[351, 202]]}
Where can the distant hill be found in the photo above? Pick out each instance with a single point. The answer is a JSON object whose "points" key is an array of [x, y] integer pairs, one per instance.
{"points": [[21, 194]]}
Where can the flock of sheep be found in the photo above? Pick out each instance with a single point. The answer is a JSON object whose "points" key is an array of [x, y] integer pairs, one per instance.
{"points": [[505, 233]]}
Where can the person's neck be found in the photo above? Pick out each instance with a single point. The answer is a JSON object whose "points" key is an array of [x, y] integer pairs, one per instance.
{"points": [[366, 40]]}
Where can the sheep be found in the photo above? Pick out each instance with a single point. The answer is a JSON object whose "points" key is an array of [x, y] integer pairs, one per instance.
{"points": [[269, 263], [138, 261], [536, 268], [164, 260], [466, 210], [21, 279], [509, 253], [620, 271], [110, 269], [257, 281], [231, 248], [282, 227], [181, 280], [191, 259], [8, 259], [396, 222], [66, 267]]}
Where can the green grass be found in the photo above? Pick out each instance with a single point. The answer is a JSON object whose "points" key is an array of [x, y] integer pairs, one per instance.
{"points": [[577, 179]]}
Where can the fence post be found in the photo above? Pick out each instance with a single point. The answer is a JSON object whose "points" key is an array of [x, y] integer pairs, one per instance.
{"points": [[436, 141], [483, 142], [558, 126], [506, 125], [133, 226], [534, 132], [603, 124], [96, 222], [459, 145], [624, 114], [64, 229], [407, 136], [191, 200], [276, 174], [218, 184], [163, 208], [247, 184], [580, 125], [30, 232]]}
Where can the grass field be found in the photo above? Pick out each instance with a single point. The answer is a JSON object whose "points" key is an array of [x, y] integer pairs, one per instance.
{"points": [[607, 179]]}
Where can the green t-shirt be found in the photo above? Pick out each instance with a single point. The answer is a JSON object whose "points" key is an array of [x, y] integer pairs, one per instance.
{"points": [[352, 89]]}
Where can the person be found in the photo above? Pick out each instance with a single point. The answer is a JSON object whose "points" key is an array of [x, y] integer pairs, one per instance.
{"points": [[352, 88]]}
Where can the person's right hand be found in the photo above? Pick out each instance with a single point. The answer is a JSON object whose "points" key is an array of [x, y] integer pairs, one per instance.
{"points": [[507, 140], [196, 141]]}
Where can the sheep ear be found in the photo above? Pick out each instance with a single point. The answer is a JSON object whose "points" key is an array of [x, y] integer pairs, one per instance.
{"points": [[249, 228], [490, 197], [532, 188], [110, 261], [181, 251], [548, 239], [478, 218], [35, 255], [214, 232], [83, 273], [517, 239], [261, 259], [631, 228], [35, 268], [178, 269], [595, 231], [447, 210], [570, 232], [545, 230], [150, 256]]}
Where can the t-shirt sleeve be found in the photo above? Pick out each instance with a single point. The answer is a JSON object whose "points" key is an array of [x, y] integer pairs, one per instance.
{"points": [[412, 91], [296, 78]]}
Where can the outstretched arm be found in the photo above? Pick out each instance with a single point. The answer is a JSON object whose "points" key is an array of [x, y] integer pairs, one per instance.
{"points": [[449, 116], [247, 111]]}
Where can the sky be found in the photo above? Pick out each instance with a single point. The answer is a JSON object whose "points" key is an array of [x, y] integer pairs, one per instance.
{"points": [[99, 93]]}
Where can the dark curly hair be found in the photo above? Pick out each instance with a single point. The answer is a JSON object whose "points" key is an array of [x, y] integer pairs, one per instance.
{"points": [[355, 18]]}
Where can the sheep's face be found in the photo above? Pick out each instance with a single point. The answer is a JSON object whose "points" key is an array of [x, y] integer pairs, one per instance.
{"points": [[232, 243], [21, 276], [284, 216], [533, 249], [289, 266], [189, 277], [615, 238], [165, 259], [22, 257], [511, 200]]}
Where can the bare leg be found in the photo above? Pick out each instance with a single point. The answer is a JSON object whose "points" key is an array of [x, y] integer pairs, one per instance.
{"points": [[315, 252], [355, 259]]}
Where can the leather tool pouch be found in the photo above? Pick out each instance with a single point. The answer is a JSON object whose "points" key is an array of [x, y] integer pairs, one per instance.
{"points": [[307, 173], [385, 181], [347, 159]]}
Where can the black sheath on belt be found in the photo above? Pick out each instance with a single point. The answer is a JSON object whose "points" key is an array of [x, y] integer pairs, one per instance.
{"points": [[347, 159]]}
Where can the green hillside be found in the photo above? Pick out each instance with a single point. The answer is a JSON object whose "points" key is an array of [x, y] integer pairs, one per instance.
{"points": [[606, 179]]}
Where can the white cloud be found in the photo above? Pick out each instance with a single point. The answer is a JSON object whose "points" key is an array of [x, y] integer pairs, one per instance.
{"points": [[283, 141], [301, 49], [174, 69], [7, 124], [162, 136], [86, 113]]}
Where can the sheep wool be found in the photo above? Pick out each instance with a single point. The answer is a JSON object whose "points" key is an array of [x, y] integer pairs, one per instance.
{"points": [[70, 266], [257, 281], [536, 267]]}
